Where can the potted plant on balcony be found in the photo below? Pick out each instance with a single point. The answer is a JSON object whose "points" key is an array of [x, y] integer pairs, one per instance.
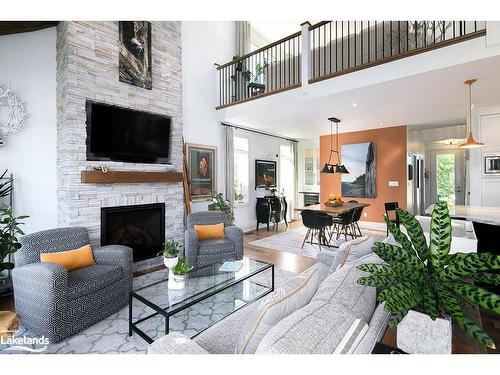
{"points": [[9, 231], [170, 252], [424, 287]]}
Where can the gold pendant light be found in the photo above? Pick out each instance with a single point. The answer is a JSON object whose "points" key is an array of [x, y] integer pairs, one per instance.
{"points": [[471, 142]]}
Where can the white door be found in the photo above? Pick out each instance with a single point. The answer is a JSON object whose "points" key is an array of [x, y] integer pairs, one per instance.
{"points": [[447, 176]]}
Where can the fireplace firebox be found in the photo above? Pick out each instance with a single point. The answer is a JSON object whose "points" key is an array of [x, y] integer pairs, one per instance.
{"points": [[141, 227]]}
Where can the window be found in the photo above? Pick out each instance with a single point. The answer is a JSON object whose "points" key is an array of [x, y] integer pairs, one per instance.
{"points": [[287, 176], [241, 170], [311, 166]]}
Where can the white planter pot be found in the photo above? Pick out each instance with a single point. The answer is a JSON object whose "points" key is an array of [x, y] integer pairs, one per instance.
{"points": [[417, 333], [175, 282], [170, 262]]}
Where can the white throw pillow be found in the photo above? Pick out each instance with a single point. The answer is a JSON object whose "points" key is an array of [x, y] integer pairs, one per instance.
{"points": [[351, 250], [352, 338], [295, 294]]}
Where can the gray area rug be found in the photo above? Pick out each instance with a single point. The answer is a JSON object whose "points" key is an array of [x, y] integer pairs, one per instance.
{"points": [[290, 241], [111, 334]]}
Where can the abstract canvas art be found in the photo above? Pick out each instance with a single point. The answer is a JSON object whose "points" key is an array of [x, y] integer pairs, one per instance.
{"points": [[202, 161], [135, 53], [359, 158], [265, 174]]}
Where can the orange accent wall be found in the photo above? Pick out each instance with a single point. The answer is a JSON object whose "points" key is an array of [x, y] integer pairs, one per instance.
{"points": [[390, 148]]}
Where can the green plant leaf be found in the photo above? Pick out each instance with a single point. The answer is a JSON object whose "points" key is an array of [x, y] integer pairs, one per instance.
{"points": [[464, 265], [475, 331], [391, 253], [375, 268], [399, 236], [484, 298], [440, 235], [415, 231], [400, 299], [430, 304], [6, 266], [487, 278], [377, 280]]}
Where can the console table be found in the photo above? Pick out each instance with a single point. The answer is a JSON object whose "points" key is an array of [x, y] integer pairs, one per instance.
{"points": [[271, 209]]}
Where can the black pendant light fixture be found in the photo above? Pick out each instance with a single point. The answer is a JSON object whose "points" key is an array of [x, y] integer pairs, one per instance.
{"points": [[329, 167]]}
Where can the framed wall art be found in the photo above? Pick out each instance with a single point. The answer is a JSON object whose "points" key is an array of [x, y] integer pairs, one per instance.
{"points": [[265, 174], [202, 165], [135, 53]]}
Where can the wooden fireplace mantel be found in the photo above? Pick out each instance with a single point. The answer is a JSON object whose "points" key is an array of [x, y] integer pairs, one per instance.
{"points": [[97, 177]]}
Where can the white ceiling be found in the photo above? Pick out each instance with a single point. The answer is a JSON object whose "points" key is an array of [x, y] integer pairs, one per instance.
{"points": [[429, 99]]}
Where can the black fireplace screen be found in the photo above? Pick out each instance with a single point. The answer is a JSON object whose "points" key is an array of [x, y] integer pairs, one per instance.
{"points": [[140, 227]]}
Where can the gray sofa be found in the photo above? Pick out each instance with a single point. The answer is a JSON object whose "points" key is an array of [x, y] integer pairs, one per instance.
{"points": [[317, 328], [56, 303], [201, 253]]}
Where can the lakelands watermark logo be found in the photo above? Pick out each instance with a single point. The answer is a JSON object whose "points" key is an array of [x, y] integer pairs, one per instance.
{"points": [[10, 342]]}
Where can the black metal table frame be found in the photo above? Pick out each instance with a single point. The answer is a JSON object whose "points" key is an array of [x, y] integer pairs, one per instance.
{"points": [[133, 326]]}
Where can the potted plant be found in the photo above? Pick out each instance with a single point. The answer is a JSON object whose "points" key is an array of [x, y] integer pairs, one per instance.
{"points": [[423, 286], [181, 269], [9, 231], [170, 252], [219, 203]]}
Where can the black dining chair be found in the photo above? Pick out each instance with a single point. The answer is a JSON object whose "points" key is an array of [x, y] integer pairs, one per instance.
{"points": [[358, 211], [342, 224], [391, 213], [316, 223]]}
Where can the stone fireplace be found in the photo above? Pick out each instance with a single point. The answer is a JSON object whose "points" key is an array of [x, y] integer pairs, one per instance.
{"points": [[87, 69]]}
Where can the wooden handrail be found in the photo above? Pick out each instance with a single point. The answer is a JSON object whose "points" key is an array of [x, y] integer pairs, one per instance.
{"points": [[241, 58], [318, 24]]}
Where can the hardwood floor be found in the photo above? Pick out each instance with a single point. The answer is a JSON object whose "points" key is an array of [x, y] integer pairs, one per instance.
{"points": [[286, 261]]}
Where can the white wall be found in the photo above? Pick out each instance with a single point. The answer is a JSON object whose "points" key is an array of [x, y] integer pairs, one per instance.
{"points": [[203, 44], [28, 63], [263, 148], [484, 188]]}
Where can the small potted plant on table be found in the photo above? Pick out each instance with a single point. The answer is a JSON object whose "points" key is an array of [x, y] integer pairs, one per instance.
{"points": [[170, 252], [177, 274]]}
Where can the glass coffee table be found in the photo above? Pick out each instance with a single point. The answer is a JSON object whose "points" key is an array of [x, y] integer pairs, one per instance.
{"points": [[225, 291]]}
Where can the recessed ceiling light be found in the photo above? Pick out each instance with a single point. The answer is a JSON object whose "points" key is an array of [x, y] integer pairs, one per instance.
{"points": [[381, 124], [354, 104]]}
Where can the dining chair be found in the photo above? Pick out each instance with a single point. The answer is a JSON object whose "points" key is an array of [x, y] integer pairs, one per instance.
{"points": [[355, 220], [391, 213], [342, 224], [316, 223]]}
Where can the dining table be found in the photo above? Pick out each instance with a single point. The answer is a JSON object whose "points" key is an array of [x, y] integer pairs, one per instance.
{"points": [[333, 211]]}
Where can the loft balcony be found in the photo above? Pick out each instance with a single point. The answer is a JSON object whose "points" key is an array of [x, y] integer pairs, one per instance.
{"points": [[333, 48]]}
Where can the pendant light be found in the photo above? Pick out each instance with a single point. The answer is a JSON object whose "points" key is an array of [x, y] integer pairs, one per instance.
{"points": [[471, 142], [329, 167]]}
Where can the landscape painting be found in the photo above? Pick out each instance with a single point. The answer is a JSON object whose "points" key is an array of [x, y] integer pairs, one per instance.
{"points": [[265, 174], [359, 158], [135, 53]]}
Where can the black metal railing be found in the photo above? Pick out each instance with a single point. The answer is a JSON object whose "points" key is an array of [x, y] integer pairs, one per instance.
{"points": [[268, 70], [340, 47]]}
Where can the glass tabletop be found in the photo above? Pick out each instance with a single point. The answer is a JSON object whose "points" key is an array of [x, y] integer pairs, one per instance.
{"points": [[169, 293]]}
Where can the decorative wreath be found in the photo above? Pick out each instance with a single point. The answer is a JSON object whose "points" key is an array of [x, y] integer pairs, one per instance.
{"points": [[16, 112]]}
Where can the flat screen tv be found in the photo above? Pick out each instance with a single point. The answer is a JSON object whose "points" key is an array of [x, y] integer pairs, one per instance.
{"points": [[121, 134]]}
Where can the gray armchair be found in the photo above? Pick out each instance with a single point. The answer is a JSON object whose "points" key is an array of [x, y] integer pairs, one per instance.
{"points": [[57, 303], [201, 253]]}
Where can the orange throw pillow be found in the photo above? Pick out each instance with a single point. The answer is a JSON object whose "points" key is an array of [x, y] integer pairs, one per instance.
{"points": [[207, 232], [72, 259]]}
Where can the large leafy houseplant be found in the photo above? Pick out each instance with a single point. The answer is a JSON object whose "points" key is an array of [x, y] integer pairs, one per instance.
{"points": [[428, 278], [9, 229]]}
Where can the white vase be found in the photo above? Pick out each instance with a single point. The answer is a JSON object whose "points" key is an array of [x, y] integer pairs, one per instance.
{"points": [[170, 262], [417, 333]]}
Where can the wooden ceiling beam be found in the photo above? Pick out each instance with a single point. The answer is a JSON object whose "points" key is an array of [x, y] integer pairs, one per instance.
{"points": [[16, 27]]}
